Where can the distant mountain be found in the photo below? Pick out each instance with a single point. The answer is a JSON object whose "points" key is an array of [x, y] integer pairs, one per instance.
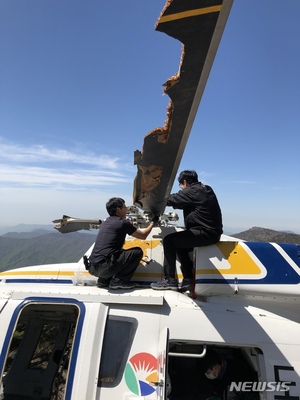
{"points": [[41, 247], [25, 228], [28, 235], [257, 234]]}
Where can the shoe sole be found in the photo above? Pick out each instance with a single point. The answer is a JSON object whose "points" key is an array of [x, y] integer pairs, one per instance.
{"points": [[185, 288], [163, 288], [121, 287]]}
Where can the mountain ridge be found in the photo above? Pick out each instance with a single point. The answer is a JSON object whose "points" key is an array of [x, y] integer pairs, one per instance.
{"points": [[258, 234]]}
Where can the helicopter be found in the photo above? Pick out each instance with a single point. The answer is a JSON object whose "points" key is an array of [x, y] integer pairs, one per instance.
{"points": [[62, 337]]}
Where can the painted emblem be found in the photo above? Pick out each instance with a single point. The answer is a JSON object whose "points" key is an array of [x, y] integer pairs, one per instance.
{"points": [[140, 371]]}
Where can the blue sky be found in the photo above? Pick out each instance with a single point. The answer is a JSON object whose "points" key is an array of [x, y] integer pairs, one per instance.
{"points": [[81, 85]]}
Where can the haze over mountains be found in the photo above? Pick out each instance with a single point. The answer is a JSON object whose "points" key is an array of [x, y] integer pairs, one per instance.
{"points": [[42, 244]]}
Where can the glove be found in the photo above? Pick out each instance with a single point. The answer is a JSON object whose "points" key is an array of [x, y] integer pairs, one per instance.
{"points": [[155, 220]]}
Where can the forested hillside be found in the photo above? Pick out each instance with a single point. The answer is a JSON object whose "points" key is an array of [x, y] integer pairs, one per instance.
{"points": [[34, 248]]}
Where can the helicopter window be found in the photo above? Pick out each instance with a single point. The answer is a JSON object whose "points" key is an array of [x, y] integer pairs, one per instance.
{"points": [[39, 353], [44, 347], [15, 345], [118, 338], [187, 375]]}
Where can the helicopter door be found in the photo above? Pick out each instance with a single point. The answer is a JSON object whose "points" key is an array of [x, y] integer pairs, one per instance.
{"points": [[162, 364], [39, 355]]}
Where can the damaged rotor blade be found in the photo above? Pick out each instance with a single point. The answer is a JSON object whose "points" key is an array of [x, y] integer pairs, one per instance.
{"points": [[198, 25]]}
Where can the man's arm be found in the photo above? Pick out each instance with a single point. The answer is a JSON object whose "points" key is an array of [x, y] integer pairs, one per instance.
{"points": [[179, 200], [143, 233]]}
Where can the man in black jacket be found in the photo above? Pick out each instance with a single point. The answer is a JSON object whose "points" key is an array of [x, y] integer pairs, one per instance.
{"points": [[203, 223]]}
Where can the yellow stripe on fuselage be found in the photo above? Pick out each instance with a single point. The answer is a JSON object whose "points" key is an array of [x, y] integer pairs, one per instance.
{"points": [[23, 273], [190, 13], [233, 258]]}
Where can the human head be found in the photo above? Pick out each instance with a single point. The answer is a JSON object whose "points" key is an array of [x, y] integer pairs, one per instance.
{"points": [[212, 364], [113, 204], [190, 176]]}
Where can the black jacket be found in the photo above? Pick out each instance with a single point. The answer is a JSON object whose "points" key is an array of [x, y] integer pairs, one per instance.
{"points": [[200, 207]]}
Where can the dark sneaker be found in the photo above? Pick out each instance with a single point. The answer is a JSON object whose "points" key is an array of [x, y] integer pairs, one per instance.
{"points": [[116, 283], [165, 284], [103, 282], [187, 284]]}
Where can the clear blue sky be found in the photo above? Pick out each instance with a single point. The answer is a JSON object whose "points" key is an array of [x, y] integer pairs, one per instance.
{"points": [[80, 87]]}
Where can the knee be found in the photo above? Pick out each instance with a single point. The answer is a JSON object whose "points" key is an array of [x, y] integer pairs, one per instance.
{"points": [[93, 270], [169, 239], [166, 239], [138, 252]]}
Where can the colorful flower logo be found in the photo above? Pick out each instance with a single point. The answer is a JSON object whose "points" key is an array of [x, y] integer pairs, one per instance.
{"points": [[140, 371]]}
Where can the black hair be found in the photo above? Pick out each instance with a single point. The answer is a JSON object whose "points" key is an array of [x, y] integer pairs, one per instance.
{"points": [[113, 204], [190, 176], [211, 359]]}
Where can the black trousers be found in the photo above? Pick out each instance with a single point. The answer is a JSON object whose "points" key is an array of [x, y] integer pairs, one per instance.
{"points": [[179, 245], [122, 267]]}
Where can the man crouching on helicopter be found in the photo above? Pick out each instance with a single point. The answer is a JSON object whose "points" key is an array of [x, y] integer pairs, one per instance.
{"points": [[113, 265]]}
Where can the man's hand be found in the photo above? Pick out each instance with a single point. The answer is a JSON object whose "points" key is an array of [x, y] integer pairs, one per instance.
{"points": [[155, 220]]}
